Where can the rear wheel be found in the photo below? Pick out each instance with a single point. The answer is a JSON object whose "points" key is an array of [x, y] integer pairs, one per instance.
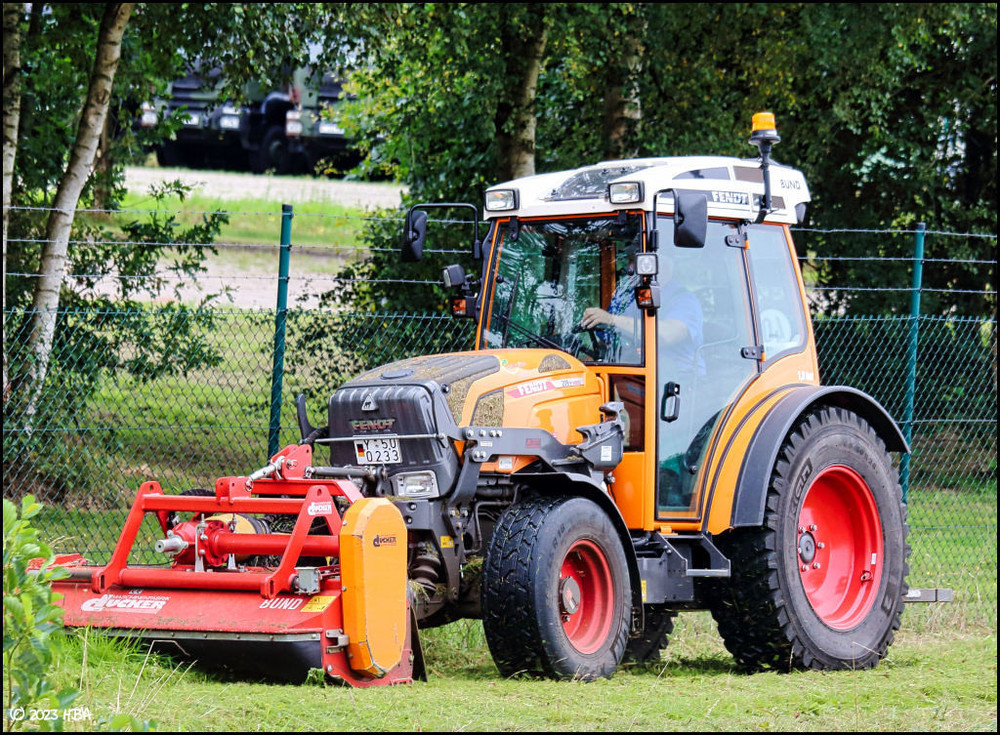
{"points": [[556, 598], [647, 647], [821, 584]]}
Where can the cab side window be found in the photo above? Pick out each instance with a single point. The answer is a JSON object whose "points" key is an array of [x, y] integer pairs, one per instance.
{"points": [[776, 289]]}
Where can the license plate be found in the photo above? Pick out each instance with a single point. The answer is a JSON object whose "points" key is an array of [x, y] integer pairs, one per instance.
{"points": [[377, 450]]}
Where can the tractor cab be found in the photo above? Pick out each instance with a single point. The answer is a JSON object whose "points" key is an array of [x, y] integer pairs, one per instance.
{"points": [[674, 280]]}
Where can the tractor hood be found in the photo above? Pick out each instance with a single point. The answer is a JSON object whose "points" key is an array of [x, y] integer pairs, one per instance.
{"points": [[525, 388]]}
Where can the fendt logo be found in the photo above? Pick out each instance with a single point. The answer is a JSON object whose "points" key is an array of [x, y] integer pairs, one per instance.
{"points": [[372, 424], [384, 541]]}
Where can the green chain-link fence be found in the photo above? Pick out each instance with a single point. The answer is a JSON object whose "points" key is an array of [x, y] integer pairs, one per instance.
{"points": [[115, 411]]}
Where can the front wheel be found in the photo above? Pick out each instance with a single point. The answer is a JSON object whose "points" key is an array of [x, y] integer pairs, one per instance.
{"points": [[822, 583], [556, 595]]}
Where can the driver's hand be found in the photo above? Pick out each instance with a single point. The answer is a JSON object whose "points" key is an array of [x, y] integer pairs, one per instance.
{"points": [[595, 317]]}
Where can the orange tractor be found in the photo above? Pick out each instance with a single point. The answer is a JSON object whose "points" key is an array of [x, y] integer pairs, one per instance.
{"points": [[640, 430]]}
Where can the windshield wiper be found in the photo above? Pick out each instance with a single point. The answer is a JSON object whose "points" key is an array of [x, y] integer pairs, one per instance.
{"points": [[543, 341]]}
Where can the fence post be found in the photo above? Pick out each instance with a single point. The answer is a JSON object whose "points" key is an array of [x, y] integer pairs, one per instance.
{"points": [[280, 314], [911, 357]]}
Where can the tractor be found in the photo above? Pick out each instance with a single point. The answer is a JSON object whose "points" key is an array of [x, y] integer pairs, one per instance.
{"points": [[639, 430]]}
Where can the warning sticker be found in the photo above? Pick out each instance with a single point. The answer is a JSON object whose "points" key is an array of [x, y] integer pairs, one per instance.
{"points": [[319, 603]]}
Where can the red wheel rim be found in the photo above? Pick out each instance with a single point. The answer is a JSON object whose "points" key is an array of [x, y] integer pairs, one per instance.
{"points": [[586, 596], [839, 547]]}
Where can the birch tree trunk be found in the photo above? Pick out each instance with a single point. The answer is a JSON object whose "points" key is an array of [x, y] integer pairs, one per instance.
{"points": [[45, 303], [11, 123], [515, 119]]}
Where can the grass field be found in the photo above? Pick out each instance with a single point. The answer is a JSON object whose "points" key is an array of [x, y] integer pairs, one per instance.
{"points": [[929, 682]]}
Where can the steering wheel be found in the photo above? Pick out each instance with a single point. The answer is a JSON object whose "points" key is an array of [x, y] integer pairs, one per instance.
{"points": [[598, 345]]}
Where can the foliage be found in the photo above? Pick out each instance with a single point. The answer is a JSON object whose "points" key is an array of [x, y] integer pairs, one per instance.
{"points": [[32, 622], [259, 44], [333, 347], [103, 329], [110, 271], [426, 87], [889, 109]]}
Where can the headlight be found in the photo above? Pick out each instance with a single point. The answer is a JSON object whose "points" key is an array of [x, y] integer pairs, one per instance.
{"points": [[646, 264], [501, 200], [415, 485], [625, 192]]}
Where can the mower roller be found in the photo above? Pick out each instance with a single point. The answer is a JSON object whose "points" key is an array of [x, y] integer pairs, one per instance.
{"points": [[331, 594]]}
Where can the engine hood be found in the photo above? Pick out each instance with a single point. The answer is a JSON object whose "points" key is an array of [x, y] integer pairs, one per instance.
{"points": [[529, 388]]}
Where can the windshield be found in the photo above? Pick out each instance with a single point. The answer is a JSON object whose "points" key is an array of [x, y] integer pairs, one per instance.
{"points": [[569, 284]]}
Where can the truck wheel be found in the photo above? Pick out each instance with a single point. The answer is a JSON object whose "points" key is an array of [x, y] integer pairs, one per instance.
{"points": [[821, 584], [647, 647], [167, 155], [273, 153], [556, 598]]}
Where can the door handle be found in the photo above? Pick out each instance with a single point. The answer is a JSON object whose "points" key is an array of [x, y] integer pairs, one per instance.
{"points": [[670, 406]]}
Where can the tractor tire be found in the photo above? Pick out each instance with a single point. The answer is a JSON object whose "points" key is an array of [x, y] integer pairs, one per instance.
{"points": [[821, 585], [648, 646], [556, 595]]}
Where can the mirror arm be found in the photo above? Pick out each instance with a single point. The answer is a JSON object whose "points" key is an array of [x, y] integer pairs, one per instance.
{"points": [[410, 235]]}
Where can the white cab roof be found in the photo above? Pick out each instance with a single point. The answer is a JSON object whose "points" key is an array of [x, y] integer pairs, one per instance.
{"points": [[734, 188]]}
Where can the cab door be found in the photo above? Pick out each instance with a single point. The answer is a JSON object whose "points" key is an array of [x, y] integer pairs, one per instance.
{"points": [[705, 358]]}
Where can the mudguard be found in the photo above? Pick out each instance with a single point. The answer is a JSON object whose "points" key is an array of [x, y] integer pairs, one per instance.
{"points": [[762, 453]]}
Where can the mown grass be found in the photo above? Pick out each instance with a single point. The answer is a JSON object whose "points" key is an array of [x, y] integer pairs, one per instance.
{"points": [[927, 683]]}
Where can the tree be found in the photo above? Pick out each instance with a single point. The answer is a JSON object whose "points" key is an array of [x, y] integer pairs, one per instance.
{"points": [[521, 50], [889, 109], [11, 125], [81, 162], [453, 97], [86, 68]]}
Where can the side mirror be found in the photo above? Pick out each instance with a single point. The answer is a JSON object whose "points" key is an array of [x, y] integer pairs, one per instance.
{"points": [[690, 219], [414, 234]]}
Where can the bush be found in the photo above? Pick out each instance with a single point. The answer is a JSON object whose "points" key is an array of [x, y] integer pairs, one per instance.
{"points": [[32, 622]]}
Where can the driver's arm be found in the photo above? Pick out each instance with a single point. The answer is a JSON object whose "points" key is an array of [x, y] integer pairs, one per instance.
{"points": [[595, 317], [672, 331]]}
